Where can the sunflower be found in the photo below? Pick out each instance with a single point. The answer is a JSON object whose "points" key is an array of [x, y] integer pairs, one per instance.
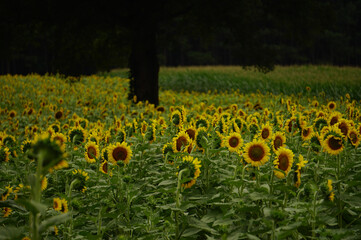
{"points": [[331, 105], [354, 137], [181, 142], [77, 135], [8, 191], [334, 118], [192, 132], [82, 176], [119, 152], [319, 123], [150, 134], [57, 204], [265, 133], [6, 211], [331, 195], [278, 140], [292, 125], [64, 206], [238, 124], [344, 126], [104, 154], [44, 183], [59, 114], [91, 152], [283, 161], [306, 133], [202, 122], [233, 142], [121, 135], [167, 152], [104, 168], [332, 141], [143, 128], [193, 165], [4, 154], [60, 139], [12, 114], [301, 163], [9, 141], [176, 118], [256, 152]]}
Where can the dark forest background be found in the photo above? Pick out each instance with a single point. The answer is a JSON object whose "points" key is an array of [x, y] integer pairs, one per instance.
{"points": [[86, 37]]}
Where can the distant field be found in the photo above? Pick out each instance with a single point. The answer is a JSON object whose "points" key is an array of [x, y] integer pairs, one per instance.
{"points": [[333, 81]]}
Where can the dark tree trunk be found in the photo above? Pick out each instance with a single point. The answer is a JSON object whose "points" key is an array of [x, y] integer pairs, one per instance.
{"points": [[143, 62]]}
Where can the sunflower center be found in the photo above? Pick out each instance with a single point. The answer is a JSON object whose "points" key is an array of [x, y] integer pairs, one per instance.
{"points": [[58, 115], [306, 132], [335, 143], [331, 106], [191, 133], [91, 152], [181, 141], [265, 133], [277, 142], [353, 137], [283, 162], [119, 153], [343, 128], [233, 142], [333, 121], [256, 153], [105, 167]]}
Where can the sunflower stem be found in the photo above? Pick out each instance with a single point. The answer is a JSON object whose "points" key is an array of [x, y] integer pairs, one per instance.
{"points": [[339, 190], [178, 202], [314, 214], [243, 172]]}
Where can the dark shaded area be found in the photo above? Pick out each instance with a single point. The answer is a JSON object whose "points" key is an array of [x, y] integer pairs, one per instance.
{"points": [[86, 37]]}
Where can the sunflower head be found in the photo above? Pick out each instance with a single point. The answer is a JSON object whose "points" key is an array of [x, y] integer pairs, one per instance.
{"points": [[331, 105], [181, 142], [278, 140], [82, 176], [233, 142], [4, 154], [283, 161], [190, 176], [119, 152], [265, 133], [354, 137], [256, 153], [77, 135], [91, 152], [306, 133], [105, 168]]}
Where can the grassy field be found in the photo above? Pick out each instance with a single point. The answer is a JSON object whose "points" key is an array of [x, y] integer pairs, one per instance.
{"points": [[78, 160], [333, 81]]}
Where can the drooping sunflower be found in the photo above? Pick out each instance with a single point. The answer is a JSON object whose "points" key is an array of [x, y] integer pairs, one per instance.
{"points": [[306, 133], [283, 161], [256, 153], [9, 141], [82, 176], [278, 140], [60, 139], [193, 165], [319, 123], [176, 118], [181, 142], [91, 152], [77, 135], [202, 122], [4, 154], [265, 132], [233, 142], [119, 152]]}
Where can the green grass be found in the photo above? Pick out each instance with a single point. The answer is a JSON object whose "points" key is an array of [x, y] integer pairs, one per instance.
{"points": [[333, 81]]}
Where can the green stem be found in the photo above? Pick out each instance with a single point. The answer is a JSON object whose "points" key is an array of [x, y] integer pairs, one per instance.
{"points": [[339, 191], [314, 214], [178, 203]]}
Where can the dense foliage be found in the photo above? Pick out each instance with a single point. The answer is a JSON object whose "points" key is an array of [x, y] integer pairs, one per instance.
{"points": [[80, 161]]}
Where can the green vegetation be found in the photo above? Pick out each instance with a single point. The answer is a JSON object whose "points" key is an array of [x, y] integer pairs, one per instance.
{"points": [[333, 81]]}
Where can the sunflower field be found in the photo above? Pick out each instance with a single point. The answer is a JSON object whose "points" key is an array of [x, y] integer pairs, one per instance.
{"points": [[78, 160]]}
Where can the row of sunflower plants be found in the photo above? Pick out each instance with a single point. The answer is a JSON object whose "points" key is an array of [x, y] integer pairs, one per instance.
{"points": [[80, 161]]}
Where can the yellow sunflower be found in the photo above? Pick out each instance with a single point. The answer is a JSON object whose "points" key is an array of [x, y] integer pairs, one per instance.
{"points": [[344, 126], [332, 141], [301, 163], [44, 183], [192, 132], [306, 133], [265, 133], [119, 152], [57, 204], [6, 211], [104, 168], [354, 137], [233, 142], [181, 142], [77, 135], [4, 154], [278, 140], [283, 161], [331, 105], [256, 153], [91, 152], [193, 165], [334, 118], [60, 139], [64, 206]]}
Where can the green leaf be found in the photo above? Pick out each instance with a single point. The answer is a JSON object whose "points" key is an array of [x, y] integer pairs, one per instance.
{"points": [[52, 221], [193, 222], [32, 206], [11, 204], [191, 232], [10, 232]]}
